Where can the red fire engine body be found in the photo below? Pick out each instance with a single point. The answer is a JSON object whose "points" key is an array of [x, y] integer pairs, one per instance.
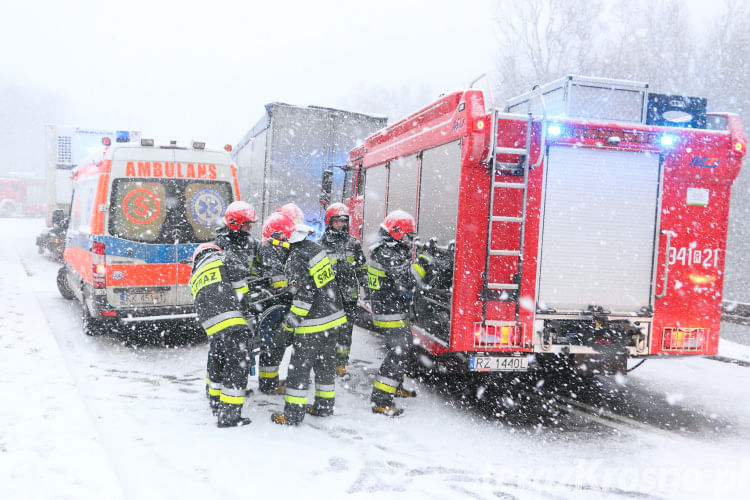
{"points": [[580, 222]]}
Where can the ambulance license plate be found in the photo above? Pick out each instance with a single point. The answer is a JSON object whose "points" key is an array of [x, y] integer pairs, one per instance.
{"points": [[141, 298], [499, 363]]}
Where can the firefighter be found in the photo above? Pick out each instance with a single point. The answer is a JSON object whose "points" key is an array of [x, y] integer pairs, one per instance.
{"points": [[316, 313], [392, 285], [349, 266], [235, 238], [219, 313], [273, 253]]}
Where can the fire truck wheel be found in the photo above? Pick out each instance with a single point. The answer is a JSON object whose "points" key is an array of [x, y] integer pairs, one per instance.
{"points": [[62, 284]]}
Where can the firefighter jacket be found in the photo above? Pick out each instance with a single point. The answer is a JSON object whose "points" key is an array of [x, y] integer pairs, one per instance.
{"points": [[213, 287], [241, 245], [348, 261], [272, 255], [433, 269], [391, 283], [316, 301]]}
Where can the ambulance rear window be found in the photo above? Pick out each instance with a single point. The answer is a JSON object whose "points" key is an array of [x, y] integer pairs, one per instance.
{"points": [[167, 211]]}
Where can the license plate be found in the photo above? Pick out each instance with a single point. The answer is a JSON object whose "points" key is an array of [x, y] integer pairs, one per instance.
{"points": [[150, 298], [499, 363]]}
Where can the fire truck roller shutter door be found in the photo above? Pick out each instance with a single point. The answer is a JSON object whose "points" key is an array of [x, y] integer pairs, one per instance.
{"points": [[597, 244]]}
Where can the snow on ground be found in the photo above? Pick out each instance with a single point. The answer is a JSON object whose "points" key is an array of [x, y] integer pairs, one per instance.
{"points": [[92, 417]]}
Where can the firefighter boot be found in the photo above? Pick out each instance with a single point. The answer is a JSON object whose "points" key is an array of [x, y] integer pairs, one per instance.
{"points": [[280, 418], [318, 412], [279, 389], [213, 402], [402, 392], [388, 410], [229, 415]]}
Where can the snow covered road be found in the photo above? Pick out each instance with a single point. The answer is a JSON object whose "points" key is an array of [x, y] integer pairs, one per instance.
{"points": [[93, 417]]}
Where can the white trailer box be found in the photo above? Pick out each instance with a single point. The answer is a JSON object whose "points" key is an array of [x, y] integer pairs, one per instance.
{"points": [[70, 147], [284, 156]]}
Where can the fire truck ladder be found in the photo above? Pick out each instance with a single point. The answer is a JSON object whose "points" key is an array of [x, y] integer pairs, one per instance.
{"points": [[493, 291]]}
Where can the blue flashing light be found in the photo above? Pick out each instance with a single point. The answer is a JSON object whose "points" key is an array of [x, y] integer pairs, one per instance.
{"points": [[554, 130], [122, 136], [668, 140]]}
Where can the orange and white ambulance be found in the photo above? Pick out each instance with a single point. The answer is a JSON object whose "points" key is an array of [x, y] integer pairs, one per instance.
{"points": [[135, 218]]}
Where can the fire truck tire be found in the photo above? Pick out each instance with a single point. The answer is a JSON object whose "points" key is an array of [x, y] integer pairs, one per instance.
{"points": [[62, 284]]}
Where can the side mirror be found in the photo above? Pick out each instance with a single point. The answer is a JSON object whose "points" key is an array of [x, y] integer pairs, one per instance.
{"points": [[326, 185]]}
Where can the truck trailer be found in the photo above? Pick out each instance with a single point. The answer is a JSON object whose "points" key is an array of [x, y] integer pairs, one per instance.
{"points": [[299, 154], [70, 147]]}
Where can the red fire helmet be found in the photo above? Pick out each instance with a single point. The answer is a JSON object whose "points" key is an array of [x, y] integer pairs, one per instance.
{"points": [[278, 226], [204, 247], [399, 223], [293, 212], [239, 212], [336, 210]]}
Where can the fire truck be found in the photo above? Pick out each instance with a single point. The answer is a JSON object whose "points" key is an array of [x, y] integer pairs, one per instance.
{"points": [[583, 223], [21, 194]]}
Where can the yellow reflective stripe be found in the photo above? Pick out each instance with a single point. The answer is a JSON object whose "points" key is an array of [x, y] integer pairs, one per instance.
{"points": [[299, 311], [425, 257], [375, 271], [350, 260], [389, 324], [419, 269], [342, 350], [325, 394], [283, 325], [225, 324], [296, 400], [242, 289], [280, 284], [320, 328], [320, 265], [214, 392], [268, 374], [278, 243], [385, 388], [206, 276], [232, 400]]}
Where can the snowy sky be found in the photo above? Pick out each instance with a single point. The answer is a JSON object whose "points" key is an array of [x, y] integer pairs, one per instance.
{"points": [[189, 69]]}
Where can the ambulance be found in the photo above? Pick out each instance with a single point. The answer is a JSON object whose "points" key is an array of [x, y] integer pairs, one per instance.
{"points": [[135, 218]]}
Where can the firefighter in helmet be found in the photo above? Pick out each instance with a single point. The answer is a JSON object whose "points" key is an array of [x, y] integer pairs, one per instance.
{"points": [[349, 266], [392, 285], [316, 314], [272, 256], [214, 292], [235, 238]]}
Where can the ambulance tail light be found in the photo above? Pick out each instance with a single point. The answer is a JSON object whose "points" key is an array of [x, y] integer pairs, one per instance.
{"points": [[499, 334], [684, 339], [98, 268]]}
